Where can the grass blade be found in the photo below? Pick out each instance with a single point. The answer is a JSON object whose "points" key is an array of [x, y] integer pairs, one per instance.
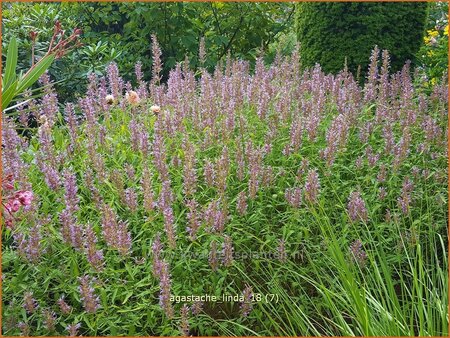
{"points": [[11, 64]]}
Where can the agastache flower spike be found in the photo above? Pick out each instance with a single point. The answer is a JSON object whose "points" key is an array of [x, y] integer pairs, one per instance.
{"points": [[94, 256], [227, 251], [49, 319], [123, 244], [24, 329], [312, 186], [241, 204], [87, 292], [165, 285], [190, 177], [34, 243], [30, 303], [196, 308], [184, 324], [294, 197], [209, 173], [382, 174], [382, 193], [193, 219], [247, 306], [131, 199], [357, 207], [357, 253], [115, 232], [156, 253], [63, 306], [30, 247], [157, 64], [282, 256], [405, 198], [72, 329]]}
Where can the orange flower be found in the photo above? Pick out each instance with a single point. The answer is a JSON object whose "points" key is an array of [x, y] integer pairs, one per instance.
{"points": [[132, 97]]}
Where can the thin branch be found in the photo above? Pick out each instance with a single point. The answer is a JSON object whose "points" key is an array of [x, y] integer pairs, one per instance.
{"points": [[241, 20], [217, 19], [282, 27]]}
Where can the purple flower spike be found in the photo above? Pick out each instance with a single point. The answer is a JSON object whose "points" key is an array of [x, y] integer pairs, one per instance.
{"points": [[247, 306], [87, 293], [357, 208]]}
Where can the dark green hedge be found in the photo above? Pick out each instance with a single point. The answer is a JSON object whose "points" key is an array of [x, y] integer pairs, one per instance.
{"points": [[329, 32]]}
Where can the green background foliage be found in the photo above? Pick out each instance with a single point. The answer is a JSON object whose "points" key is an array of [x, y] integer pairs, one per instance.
{"points": [[331, 32], [433, 54], [121, 32]]}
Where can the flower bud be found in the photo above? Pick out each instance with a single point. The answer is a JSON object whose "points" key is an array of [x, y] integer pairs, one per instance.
{"points": [[109, 99], [33, 35], [155, 109]]}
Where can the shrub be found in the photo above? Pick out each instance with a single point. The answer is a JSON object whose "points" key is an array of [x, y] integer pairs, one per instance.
{"points": [[121, 32], [433, 54], [332, 32], [70, 73]]}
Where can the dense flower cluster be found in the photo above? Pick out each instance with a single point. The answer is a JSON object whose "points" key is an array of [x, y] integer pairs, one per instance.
{"points": [[165, 287], [63, 306], [72, 329], [15, 201], [312, 186]]}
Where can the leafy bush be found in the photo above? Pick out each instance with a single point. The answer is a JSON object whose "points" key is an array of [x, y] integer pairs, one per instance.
{"points": [[321, 205], [434, 52], [331, 33], [238, 28], [121, 32], [14, 84], [70, 72]]}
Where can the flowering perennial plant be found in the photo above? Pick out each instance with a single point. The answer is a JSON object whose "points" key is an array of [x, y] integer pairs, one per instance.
{"points": [[134, 194]]}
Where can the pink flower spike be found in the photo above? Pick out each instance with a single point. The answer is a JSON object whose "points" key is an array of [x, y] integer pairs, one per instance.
{"points": [[13, 205], [24, 197]]}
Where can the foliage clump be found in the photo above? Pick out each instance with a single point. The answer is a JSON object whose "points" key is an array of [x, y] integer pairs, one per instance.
{"points": [[332, 33]]}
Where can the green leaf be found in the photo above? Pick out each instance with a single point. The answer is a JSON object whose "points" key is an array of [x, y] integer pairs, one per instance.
{"points": [[35, 73], [127, 296], [11, 63], [8, 94], [89, 324], [74, 268], [104, 298]]}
